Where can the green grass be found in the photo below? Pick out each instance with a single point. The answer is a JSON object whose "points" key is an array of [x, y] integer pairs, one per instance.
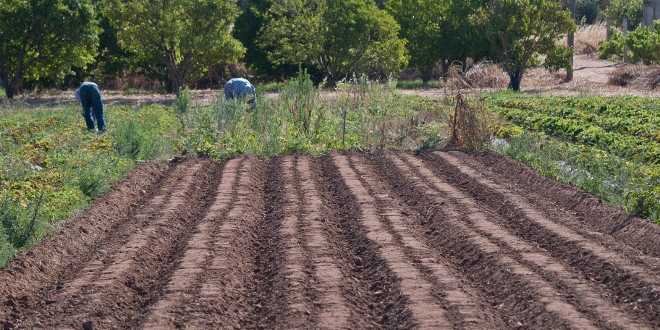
{"points": [[50, 166], [2, 93], [417, 84]]}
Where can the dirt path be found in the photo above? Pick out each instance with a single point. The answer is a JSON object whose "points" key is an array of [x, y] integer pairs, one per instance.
{"points": [[351, 240]]}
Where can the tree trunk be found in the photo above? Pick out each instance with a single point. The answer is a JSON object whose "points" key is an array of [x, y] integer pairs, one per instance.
{"points": [[571, 42], [427, 73], [9, 88], [515, 79], [648, 14], [625, 34]]}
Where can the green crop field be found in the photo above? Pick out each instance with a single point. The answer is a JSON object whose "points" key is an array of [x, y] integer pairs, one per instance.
{"points": [[609, 146]]}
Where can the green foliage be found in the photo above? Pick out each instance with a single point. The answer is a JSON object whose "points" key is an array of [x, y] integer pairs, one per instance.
{"points": [[177, 39], [521, 30], [139, 137], [416, 84], [557, 58], [21, 227], [182, 103], [44, 39], [303, 120], [631, 9], [643, 45], [587, 11], [603, 145], [339, 38], [607, 49], [437, 30]]}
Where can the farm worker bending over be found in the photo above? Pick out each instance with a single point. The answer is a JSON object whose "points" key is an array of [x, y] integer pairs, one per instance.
{"points": [[89, 95], [239, 88]]}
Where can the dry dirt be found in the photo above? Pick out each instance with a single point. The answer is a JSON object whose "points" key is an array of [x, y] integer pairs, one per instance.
{"points": [[445, 240]]}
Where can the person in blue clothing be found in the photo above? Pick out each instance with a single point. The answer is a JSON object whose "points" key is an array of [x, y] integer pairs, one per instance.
{"points": [[240, 88], [89, 95]]}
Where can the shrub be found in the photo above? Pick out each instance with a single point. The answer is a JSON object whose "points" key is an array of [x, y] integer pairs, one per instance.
{"points": [[182, 103], [21, 225], [643, 45]]}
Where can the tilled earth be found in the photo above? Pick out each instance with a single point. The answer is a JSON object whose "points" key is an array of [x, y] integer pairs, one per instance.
{"points": [[444, 240]]}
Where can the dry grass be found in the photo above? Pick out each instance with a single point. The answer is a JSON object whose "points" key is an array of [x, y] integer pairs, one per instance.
{"points": [[486, 75], [636, 75], [587, 38]]}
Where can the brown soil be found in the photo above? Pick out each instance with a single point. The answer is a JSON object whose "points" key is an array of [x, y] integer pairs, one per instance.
{"points": [[441, 241]]}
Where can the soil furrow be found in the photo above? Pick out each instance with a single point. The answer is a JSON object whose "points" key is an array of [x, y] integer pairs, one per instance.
{"points": [[493, 272], [33, 275], [629, 284], [593, 215], [349, 240], [372, 291], [294, 241], [330, 308], [182, 287], [586, 297], [464, 309], [586, 225], [427, 311], [225, 298], [133, 265]]}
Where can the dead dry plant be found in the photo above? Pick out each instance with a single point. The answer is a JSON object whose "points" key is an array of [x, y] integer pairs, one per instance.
{"points": [[486, 75], [469, 126], [587, 38], [636, 75]]}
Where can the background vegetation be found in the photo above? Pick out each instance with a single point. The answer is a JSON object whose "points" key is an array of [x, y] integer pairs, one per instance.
{"points": [[174, 44]]}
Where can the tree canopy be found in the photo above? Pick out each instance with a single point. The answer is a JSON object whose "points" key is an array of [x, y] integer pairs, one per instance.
{"points": [[338, 37], [44, 38], [178, 39], [521, 30]]}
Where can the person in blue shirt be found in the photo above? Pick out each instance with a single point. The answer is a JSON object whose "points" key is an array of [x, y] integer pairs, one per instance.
{"points": [[240, 88], [89, 95]]}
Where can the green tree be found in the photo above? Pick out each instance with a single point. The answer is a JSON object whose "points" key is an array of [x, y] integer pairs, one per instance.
{"points": [[423, 24], [521, 30], [338, 37], [617, 10], [437, 31], [44, 38], [177, 40]]}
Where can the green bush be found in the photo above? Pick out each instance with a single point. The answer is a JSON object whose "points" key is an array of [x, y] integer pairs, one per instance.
{"points": [[632, 9], [643, 45], [21, 225], [143, 135]]}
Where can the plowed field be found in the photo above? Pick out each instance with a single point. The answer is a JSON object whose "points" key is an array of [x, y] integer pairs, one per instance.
{"points": [[444, 240]]}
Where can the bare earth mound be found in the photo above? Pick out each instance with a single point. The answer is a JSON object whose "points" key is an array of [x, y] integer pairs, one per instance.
{"points": [[441, 241]]}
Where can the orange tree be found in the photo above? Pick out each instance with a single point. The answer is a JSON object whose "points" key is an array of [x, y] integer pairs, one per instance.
{"points": [[44, 38], [520, 30]]}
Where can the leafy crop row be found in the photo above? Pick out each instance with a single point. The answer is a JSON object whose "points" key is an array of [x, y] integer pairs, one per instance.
{"points": [[631, 132], [560, 145]]}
